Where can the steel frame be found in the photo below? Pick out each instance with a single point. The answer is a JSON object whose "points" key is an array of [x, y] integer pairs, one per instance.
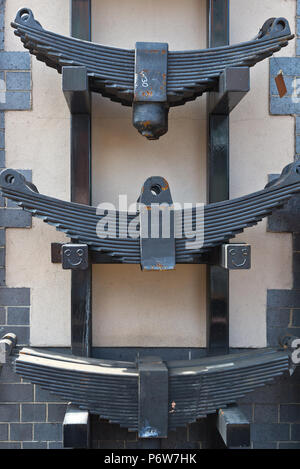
{"points": [[76, 89]]}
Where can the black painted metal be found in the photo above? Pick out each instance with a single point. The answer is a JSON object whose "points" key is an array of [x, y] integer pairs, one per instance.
{"points": [[76, 428], [76, 90], [236, 256], [75, 87], [197, 388], [234, 83], [153, 398], [75, 256], [234, 427], [111, 71], [213, 226], [150, 108], [157, 246], [217, 324]]}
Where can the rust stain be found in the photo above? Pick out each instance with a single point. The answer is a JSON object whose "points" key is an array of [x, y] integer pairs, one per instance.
{"points": [[164, 188]]}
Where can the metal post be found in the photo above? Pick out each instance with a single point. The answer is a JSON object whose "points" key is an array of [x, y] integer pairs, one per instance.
{"points": [[218, 188], [81, 308]]}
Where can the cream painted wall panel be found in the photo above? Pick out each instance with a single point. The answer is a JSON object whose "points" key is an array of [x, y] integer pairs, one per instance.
{"points": [[39, 140], [132, 308], [260, 144]]}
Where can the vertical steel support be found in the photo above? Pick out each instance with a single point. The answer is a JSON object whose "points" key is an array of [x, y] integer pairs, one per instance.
{"points": [[218, 188], [81, 308]]}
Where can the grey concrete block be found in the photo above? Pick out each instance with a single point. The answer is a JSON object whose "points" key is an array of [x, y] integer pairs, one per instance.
{"points": [[48, 431], [33, 412], [270, 432], [2, 277], [18, 315], [15, 218], [279, 317], [266, 413], [2, 139], [289, 445], [2, 159], [14, 61], [18, 81], [41, 395], [9, 445], [290, 413], [56, 412], [290, 66], [55, 445], [2, 257], [14, 296], [34, 445], [295, 432], [2, 237], [284, 106], [8, 375], [296, 317], [264, 445], [16, 101], [3, 431], [2, 316], [9, 412], [283, 299], [21, 431], [16, 392]]}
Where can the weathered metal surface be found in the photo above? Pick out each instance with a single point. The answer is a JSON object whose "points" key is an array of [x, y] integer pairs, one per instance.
{"points": [[234, 427], [156, 217], [77, 94], [76, 428], [217, 321], [153, 398], [75, 87], [236, 256], [111, 71], [75, 256], [150, 108], [234, 84], [7, 343], [197, 388], [215, 225]]}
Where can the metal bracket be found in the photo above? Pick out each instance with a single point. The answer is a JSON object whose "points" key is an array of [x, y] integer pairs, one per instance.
{"points": [[233, 427], [75, 85], [153, 398], [150, 107], [76, 428], [75, 256], [7, 343], [156, 216], [234, 84], [236, 256]]}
